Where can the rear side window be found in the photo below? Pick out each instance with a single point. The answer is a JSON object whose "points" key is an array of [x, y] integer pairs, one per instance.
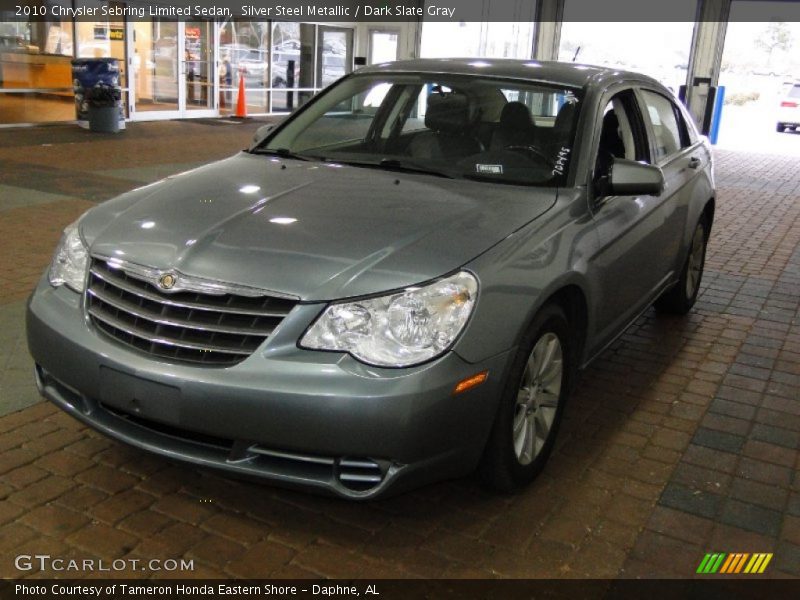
{"points": [[669, 135], [794, 92]]}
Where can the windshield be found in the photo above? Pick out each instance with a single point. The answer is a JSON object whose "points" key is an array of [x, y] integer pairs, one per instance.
{"points": [[485, 129]]}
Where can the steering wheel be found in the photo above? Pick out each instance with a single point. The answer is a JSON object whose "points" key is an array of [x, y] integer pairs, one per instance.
{"points": [[532, 151]]}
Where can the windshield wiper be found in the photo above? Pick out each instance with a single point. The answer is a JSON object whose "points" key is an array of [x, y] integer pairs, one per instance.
{"points": [[282, 152], [392, 164]]}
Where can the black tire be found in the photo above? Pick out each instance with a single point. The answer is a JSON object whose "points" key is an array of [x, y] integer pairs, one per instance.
{"points": [[502, 469], [680, 298], [780, 128]]}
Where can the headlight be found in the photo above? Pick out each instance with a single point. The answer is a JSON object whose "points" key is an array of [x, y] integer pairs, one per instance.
{"points": [[69, 263], [401, 329]]}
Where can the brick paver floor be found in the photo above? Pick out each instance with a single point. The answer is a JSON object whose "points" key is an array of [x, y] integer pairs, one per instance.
{"points": [[681, 439]]}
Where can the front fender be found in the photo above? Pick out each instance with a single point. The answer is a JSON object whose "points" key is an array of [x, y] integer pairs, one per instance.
{"points": [[519, 275]]}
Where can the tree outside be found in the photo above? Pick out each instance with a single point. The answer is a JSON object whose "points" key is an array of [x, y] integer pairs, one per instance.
{"points": [[776, 36]]}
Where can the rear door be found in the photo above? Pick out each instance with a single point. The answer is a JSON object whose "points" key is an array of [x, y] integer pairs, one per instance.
{"points": [[682, 159]]}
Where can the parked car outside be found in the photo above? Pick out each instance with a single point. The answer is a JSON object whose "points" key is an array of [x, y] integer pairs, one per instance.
{"points": [[251, 63], [789, 109], [398, 284], [334, 66]]}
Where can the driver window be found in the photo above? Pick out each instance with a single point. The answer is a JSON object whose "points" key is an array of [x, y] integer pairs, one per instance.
{"points": [[618, 137]]}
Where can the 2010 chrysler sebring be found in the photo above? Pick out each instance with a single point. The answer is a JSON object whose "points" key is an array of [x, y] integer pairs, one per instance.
{"points": [[396, 285]]}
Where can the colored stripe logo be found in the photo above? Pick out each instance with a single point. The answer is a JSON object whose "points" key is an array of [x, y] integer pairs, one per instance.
{"points": [[733, 563]]}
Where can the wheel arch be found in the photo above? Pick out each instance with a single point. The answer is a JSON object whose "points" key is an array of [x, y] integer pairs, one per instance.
{"points": [[708, 213], [571, 297]]}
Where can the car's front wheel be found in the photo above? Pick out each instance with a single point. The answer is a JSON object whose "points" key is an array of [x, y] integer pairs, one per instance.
{"points": [[680, 298], [780, 128], [530, 412]]}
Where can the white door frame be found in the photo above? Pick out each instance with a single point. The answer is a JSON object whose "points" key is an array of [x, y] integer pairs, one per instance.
{"points": [[182, 112]]}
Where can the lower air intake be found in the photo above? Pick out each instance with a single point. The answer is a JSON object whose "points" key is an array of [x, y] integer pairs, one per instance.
{"points": [[359, 474]]}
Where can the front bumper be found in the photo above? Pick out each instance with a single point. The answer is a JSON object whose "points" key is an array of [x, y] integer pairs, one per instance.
{"points": [[316, 420]]}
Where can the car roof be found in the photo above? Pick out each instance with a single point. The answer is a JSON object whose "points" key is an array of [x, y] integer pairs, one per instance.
{"points": [[568, 74]]}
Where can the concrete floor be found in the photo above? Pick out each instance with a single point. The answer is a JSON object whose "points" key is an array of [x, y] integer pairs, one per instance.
{"points": [[681, 439]]}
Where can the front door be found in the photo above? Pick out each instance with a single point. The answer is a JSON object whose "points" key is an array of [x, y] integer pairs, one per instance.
{"points": [[171, 66]]}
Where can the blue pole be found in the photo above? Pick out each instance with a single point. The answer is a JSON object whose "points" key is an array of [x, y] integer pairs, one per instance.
{"points": [[717, 118]]}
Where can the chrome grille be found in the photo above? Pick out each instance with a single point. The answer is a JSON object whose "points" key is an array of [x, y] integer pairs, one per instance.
{"points": [[212, 329]]}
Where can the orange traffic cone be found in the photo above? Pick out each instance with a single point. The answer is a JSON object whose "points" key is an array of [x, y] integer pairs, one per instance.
{"points": [[241, 102]]}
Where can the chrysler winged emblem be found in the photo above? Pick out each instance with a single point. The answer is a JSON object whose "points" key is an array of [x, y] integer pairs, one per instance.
{"points": [[166, 281]]}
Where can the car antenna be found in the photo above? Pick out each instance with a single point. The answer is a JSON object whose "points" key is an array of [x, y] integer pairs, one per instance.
{"points": [[575, 56]]}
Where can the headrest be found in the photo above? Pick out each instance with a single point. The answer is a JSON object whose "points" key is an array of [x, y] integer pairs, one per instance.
{"points": [[565, 116], [516, 115], [610, 139], [448, 113], [610, 124]]}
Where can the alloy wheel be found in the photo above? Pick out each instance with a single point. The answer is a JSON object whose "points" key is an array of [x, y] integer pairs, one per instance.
{"points": [[537, 398], [695, 268]]}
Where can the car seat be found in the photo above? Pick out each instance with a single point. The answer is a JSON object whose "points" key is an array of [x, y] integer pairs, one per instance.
{"points": [[516, 127], [449, 126], [563, 123]]}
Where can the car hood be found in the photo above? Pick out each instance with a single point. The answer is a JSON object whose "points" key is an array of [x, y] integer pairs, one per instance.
{"points": [[317, 231]]}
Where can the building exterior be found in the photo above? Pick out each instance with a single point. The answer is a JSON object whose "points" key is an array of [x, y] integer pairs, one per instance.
{"points": [[178, 69], [182, 69]]}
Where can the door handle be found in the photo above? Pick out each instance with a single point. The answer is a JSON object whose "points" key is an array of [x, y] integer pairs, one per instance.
{"points": [[694, 162]]}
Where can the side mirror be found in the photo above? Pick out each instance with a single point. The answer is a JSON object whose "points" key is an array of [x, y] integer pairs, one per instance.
{"points": [[631, 178]]}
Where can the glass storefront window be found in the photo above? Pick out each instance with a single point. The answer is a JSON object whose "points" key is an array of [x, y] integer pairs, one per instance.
{"points": [[100, 39], [292, 64], [282, 64], [155, 66], [35, 70], [46, 37], [15, 37], [244, 53], [334, 54], [199, 67]]}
